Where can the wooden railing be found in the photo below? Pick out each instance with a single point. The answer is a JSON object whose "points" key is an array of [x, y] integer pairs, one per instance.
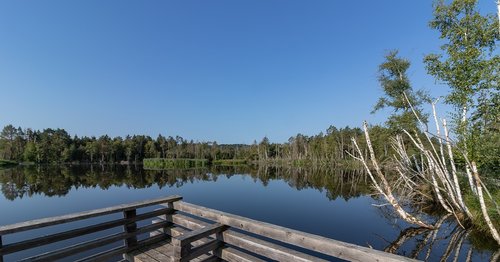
{"points": [[242, 239], [179, 231], [128, 236]]}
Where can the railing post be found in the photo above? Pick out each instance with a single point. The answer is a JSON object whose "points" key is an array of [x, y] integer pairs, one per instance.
{"points": [[130, 227], [183, 250], [1, 246]]}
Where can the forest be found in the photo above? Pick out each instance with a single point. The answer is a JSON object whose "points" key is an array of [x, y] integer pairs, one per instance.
{"points": [[58, 146]]}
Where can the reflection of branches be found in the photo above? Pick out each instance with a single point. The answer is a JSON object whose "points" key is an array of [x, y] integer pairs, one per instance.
{"points": [[444, 243], [404, 236]]}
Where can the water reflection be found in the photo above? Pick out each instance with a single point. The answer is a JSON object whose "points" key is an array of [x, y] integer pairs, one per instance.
{"points": [[446, 243], [59, 180], [449, 243]]}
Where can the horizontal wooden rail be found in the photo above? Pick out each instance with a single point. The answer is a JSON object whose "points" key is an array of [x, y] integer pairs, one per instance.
{"points": [[182, 244], [185, 236], [128, 222], [246, 242], [313, 242], [45, 240], [226, 253], [88, 245], [194, 235], [44, 222]]}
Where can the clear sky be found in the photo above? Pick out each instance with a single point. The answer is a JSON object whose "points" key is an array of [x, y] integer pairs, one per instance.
{"points": [[225, 70]]}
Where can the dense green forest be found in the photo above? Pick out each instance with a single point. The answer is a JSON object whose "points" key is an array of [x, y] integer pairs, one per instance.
{"points": [[58, 146]]}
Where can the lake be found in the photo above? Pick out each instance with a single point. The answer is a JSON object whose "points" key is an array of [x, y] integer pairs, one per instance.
{"points": [[338, 204]]}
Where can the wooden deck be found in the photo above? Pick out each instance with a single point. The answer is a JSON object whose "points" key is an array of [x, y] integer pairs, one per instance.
{"points": [[180, 231]]}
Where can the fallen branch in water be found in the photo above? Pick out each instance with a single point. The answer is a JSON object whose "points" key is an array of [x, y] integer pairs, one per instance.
{"points": [[385, 189], [436, 171]]}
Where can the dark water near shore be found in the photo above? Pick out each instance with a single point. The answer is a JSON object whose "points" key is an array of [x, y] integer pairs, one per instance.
{"points": [[333, 203]]}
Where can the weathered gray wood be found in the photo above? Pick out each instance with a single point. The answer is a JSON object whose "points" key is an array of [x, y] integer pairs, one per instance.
{"points": [[38, 223], [313, 242], [266, 249], [44, 240], [211, 258], [226, 253], [140, 254], [130, 228], [202, 249], [234, 255], [188, 222], [249, 243], [198, 234], [152, 252], [88, 245], [182, 244], [104, 256]]}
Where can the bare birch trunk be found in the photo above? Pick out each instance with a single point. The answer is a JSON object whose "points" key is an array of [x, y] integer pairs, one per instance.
{"points": [[385, 189], [492, 228]]}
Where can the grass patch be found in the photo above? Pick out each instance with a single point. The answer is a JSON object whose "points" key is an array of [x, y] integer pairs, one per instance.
{"points": [[474, 207], [171, 163]]}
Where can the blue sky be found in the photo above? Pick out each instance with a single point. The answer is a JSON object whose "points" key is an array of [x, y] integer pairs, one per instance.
{"points": [[231, 71]]}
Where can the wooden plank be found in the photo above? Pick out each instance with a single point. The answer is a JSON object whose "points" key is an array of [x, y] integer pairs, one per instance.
{"points": [[198, 234], [256, 246], [88, 245], [104, 256], [267, 249], [211, 258], [251, 244], [226, 253], [38, 223], [202, 249], [155, 254], [187, 222], [44, 240], [182, 244], [140, 257], [313, 242], [166, 249], [140, 254], [234, 255]]}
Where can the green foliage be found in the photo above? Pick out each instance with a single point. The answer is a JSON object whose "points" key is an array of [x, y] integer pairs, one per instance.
{"points": [[475, 208], [394, 81], [56, 146], [470, 66], [168, 163]]}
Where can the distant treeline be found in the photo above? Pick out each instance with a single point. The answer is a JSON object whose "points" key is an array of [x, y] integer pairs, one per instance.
{"points": [[58, 146]]}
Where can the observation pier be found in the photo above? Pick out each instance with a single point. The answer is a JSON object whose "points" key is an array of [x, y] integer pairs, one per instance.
{"points": [[169, 229]]}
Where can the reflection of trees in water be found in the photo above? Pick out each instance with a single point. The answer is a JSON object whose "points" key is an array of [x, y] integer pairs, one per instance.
{"points": [[336, 182], [58, 180], [448, 242]]}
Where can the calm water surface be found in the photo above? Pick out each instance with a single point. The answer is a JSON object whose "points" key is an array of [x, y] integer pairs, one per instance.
{"points": [[333, 203]]}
